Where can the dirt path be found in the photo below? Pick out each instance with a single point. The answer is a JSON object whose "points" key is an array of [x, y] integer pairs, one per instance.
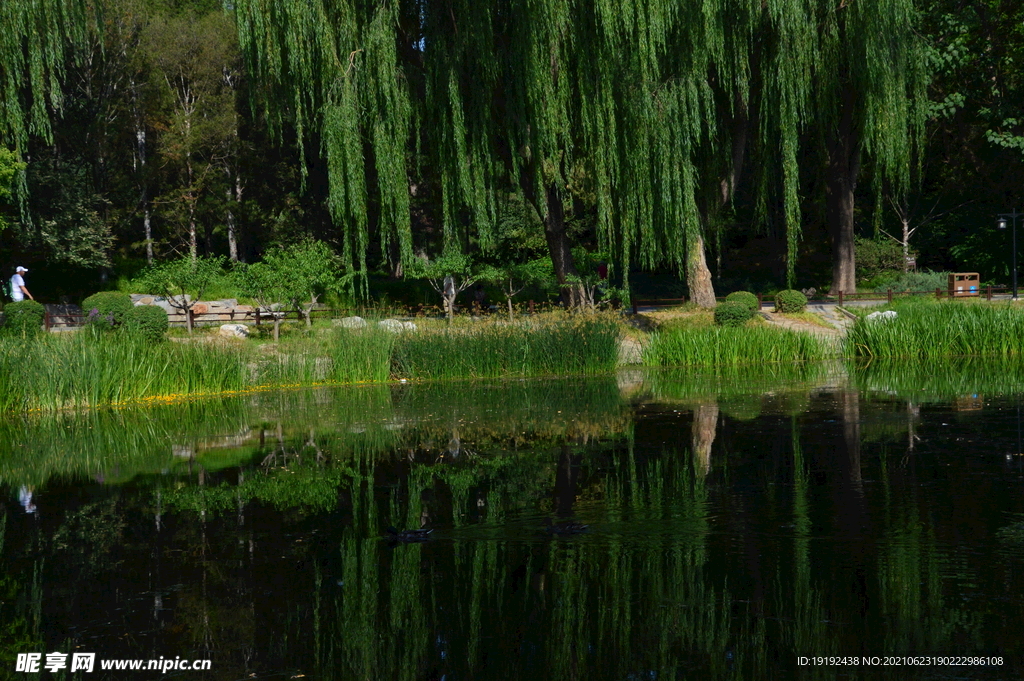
{"points": [[837, 330]]}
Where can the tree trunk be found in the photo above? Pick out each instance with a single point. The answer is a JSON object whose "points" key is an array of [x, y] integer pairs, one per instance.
{"points": [[190, 199], [560, 248], [841, 183], [234, 195], [906, 245], [698, 276], [140, 169]]}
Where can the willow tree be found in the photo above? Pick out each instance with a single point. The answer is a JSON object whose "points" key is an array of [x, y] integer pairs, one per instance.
{"points": [[606, 102], [34, 44]]}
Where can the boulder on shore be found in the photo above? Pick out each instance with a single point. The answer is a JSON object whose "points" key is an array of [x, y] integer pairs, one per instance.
{"points": [[234, 330], [396, 325], [350, 323], [882, 316]]}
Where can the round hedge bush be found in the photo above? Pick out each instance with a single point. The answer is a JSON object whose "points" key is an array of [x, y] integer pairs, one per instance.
{"points": [[790, 301], [744, 297], [23, 318], [107, 309], [732, 314], [148, 322]]}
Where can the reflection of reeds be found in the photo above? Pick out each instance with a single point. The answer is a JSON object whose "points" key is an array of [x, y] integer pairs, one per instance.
{"points": [[727, 346], [944, 379], [364, 423], [941, 331]]}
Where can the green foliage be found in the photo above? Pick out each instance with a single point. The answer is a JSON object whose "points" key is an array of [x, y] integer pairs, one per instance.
{"points": [[10, 166], [877, 256], [107, 310], [23, 318], [178, 279], [744, 298], [37, 39], [449, 274], [306, 271], [733, 313], [513, 279], [922, 280], [730, 346], [148, 322], [790, 301]]}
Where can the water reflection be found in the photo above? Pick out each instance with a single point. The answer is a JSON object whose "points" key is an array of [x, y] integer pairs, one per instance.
{"points": [[819, 513]]}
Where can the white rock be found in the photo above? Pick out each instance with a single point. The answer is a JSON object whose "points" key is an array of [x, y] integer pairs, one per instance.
{"points": [[350, 323], [395, 325], [234, 330], [881, 316]]}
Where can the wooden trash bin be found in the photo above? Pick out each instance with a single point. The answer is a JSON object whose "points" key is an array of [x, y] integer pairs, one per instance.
{"points": [[963, 284]]}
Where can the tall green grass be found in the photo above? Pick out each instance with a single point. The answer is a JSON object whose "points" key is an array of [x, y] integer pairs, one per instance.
{"points": [[91, 368], [88, 368], [575, 346], [931, 331], [726, 346]]}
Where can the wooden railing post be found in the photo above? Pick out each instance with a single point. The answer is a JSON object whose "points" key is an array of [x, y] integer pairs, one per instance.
{"points": [[759, 302], [988, 292], [46, 318], [531, 307], [840, 297], [938, 293], [890, 296]]}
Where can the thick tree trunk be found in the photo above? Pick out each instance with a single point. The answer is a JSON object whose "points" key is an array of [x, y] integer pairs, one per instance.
{"points": [[698, 276], [560, 248], [843, 168]]}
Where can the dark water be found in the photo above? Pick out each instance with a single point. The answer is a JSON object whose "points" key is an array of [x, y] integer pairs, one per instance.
{"points": [[735, 525]]}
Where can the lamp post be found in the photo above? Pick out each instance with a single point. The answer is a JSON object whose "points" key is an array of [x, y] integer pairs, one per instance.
{"points": [[1002, 225]]}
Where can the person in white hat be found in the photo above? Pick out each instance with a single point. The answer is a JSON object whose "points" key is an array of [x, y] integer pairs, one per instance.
{"points": [[18, 290]]}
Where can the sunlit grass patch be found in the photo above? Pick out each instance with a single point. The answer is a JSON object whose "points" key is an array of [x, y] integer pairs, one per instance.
{"points": [[936, 330]]}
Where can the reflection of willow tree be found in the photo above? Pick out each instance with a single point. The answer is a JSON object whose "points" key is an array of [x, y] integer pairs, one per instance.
{"points": [[20, 601], [809, 629], [557, 606]]}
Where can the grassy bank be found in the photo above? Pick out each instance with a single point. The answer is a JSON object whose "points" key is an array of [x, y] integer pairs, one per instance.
{"points": [[87, 369], [734, 346], [932, 330]]}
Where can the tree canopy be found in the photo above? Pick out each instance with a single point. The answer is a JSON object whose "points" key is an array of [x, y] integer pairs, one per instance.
{"points": [[670, 135]]}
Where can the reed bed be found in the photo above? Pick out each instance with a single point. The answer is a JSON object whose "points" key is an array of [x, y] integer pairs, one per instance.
{"points": [[944, 330], [727, 346], [91, 369], [573, 346]]}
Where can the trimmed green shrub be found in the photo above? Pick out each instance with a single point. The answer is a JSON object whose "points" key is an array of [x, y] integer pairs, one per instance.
{"points": [[107, 309], [743, 297], [790, 301], [732, 314], [24, 317], [148, 322]]}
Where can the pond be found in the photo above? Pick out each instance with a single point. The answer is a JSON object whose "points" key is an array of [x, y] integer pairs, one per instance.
{"points": [[811, 523]]}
